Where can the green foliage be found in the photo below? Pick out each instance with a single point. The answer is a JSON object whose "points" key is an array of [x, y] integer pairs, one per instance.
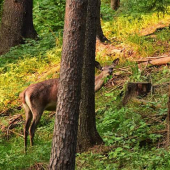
{"points": [[125, 158], [19, 66], [146, 6], [106, 12], [124, 125], [12, 151], [49, 15], [129, 136]]}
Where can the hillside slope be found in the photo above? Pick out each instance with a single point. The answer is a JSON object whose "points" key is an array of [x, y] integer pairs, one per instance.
{"points": [[134, 134]]}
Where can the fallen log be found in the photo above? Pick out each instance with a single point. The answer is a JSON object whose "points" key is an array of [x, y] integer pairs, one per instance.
{"points": [[150, 30], [161, 60]]}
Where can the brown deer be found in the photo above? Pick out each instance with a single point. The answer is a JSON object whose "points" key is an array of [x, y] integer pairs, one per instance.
{"points": [[43, 96], [106, 71]]}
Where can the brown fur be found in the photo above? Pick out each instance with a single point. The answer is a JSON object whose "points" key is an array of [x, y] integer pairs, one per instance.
{"points": [[22, 96], [43, 96], [37, 98]]}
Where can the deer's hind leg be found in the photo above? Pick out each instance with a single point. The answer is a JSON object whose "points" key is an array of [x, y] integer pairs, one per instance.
{"points": [[28, 115], [36, 118]]}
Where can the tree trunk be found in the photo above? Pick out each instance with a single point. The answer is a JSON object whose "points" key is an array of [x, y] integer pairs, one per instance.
{"points": [[115, 4], [16, 23], [28, 27], [99, 32], [66, 122], [168, 123], [87, 133], [1, 8]]}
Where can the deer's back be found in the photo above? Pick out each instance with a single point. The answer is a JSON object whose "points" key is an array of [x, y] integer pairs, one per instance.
{"points": [[41, 94]]}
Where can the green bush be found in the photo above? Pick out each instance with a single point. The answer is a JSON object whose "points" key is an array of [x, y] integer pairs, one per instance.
{"points": [[49, 15]]}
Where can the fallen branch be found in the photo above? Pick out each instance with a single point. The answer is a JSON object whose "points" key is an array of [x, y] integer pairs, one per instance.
{"points": [[16, 133], [161, 85], [14, 119], [150, 30], [7, 111], [160, 60], [157, 57]]}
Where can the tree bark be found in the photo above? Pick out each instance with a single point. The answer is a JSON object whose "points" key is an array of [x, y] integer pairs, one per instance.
{"points": [[115, 4], [66, 121], [99, 34], [168, 123], [87, 133], [1, 8], [28, 27], [16, 23]]}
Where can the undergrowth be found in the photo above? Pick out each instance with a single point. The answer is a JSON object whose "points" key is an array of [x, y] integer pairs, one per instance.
{"points": [[26, 64], [127, 26]]}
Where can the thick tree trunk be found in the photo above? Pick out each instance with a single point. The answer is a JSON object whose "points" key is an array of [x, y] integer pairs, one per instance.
{"points": [[28, 27], [87, 133], [66, 122], [99, 32], [16, 23], [115, 4]]}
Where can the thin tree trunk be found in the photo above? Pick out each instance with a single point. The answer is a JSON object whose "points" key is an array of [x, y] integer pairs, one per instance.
{"points": [[168, 123], [115, 4], [87, 133], [99, 33], [16, 24], [66, 121]]}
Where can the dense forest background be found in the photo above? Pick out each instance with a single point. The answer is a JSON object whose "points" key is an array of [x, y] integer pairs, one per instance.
{"points": [[135, 134]]}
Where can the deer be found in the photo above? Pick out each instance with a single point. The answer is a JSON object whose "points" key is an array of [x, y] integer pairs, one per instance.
{"points": [[42, 96], [106, 71]]}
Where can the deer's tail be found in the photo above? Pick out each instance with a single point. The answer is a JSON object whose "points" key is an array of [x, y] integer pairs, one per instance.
{"points": [[22, 97]]}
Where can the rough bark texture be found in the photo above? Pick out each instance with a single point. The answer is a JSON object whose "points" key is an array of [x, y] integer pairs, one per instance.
{"points": [[16, 23], [168, 122], [1, 3], [28, 27], [99, 32], [66, 122], [87, 133], [115, 4]]}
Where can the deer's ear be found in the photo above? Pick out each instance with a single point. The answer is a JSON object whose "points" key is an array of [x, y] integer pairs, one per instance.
{"points": [[116, 61], [98, 66]]}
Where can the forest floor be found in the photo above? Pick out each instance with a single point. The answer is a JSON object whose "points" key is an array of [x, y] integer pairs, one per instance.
{"points": [[135, 134]]}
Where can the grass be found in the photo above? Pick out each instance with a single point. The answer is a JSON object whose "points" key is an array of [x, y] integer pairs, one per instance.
{"points": [[12, 152], [34, 64], [126, 29]]}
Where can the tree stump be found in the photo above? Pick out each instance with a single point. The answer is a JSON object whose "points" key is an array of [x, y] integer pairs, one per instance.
{"points": [[136, 89]]}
